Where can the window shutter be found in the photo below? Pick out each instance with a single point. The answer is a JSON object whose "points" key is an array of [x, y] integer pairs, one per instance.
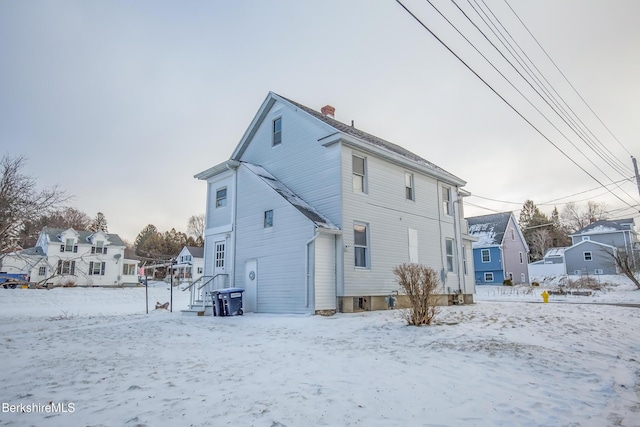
{"points": [[104, 250], [102, 269], [75, 248], [73, 267], [61, 248], [90, 268], [93, 249]]}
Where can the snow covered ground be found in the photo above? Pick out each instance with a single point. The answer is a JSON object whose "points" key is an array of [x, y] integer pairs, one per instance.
{"points": [[508, 360]]}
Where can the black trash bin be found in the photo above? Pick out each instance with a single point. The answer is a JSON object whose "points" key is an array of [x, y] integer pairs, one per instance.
{"points": [[228, 302]]}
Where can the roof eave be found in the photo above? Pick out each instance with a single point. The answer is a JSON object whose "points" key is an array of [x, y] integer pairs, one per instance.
{"points": [[217, 169], [354, 142]]}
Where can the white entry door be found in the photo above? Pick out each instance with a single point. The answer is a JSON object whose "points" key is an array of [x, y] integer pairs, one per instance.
{"points": [[250, 297], [219, 258]]}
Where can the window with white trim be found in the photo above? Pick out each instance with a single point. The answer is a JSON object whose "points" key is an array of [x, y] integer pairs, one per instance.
{"points": [[42, 271], [128, 269], [485, 255], [588, 256], [488, 277], [221, 197], [277, 132], [359, 167], [521, 257], [446, 201], [450, 246], [361, 245], [408, 186]]}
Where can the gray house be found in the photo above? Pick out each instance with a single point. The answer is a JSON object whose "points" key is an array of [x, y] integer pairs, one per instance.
{"points": [[311, 215], [590, 257], [592, 249]]}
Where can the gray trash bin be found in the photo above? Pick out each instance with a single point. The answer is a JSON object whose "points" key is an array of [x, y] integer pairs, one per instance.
{"points": [[230, 301]]}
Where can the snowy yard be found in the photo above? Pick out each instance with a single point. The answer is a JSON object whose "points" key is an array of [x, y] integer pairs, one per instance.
{"points": [[507, 360]]}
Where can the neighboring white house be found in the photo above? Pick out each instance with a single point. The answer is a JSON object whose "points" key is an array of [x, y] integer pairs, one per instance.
{"points": [[31, 261], [83, 258], [189, 264], [310, 215]]}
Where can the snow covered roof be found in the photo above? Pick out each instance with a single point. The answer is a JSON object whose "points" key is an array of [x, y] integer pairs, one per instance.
{"points": [[83, 236], [306, 209], [606, 226], [488, 229], [555, 252]]}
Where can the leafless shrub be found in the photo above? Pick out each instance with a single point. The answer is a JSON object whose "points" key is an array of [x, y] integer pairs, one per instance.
{"points": [[419, 283], [585, 283], [68, 283], [64, 316]]}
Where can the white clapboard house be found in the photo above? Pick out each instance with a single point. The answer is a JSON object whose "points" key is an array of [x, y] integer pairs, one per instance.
{"points": [[311, 215]]}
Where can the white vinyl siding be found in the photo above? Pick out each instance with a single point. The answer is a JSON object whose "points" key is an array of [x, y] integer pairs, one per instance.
{"points": [[282, 282], [389, 216], [324, 273]]}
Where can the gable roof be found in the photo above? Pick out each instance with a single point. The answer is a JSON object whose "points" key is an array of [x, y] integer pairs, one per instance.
{"points": [[83, 235], [303, 207], [344, 133], [196, 251], [35, 251], [589, 243], [607, 226], [488, 229]]}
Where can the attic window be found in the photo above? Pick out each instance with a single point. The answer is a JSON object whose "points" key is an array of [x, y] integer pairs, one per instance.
{"points": [[221, 197], [277, 132], [268, 218]]}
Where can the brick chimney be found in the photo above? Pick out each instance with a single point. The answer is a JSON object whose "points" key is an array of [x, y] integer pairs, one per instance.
{"points": [[328, 111]]}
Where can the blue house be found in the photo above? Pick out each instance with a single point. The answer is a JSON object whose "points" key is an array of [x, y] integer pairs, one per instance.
{"points": [[500, 251]]}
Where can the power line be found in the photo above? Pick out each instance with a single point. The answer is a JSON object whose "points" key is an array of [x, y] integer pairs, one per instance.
{"points": [[592, 141], [553, 108], [496, 92], [565, 77]]}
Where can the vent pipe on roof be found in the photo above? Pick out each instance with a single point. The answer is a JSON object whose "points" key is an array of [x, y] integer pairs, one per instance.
{"points": [[328, 111]]}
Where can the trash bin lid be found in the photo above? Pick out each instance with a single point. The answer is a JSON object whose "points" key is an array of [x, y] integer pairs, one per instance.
{"points": [[230, 290]]}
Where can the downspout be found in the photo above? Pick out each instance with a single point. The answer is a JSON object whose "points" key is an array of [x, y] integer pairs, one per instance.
{"points": [[458, 235], [307, 267], [234, 214], [443, 269]]}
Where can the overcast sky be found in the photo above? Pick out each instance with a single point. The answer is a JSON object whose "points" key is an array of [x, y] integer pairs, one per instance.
{"points": [[121, 103]]}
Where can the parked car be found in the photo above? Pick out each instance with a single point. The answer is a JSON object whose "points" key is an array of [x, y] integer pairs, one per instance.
{"points": [[12, 280]]}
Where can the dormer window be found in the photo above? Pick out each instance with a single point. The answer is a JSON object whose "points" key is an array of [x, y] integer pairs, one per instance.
{"points": [[99, 248], [69, 246]]}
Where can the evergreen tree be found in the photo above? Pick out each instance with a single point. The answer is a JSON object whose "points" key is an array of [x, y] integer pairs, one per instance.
{"points": [[99, 223]]}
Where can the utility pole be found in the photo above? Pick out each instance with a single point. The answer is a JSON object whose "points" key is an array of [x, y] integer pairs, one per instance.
{"points": [[635, 169]]}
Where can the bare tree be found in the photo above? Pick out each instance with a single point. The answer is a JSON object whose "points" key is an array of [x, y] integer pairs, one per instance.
{"points": [[576, 218], [628, 263], [541, 241], [21, 201], [195, 228]]}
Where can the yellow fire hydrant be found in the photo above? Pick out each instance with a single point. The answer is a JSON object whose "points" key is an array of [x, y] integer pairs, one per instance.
{"points": [[545, 296]]}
